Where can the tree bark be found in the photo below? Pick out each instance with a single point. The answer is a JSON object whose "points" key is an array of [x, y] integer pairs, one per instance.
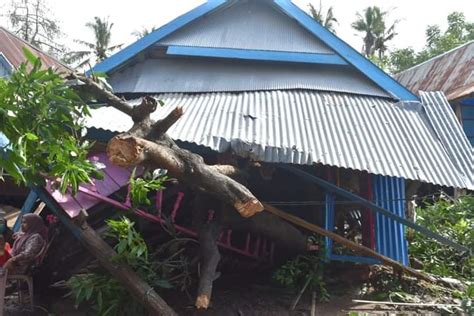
{"points": [[92, 241], [209, 259], [147, 145], [137, 287]]}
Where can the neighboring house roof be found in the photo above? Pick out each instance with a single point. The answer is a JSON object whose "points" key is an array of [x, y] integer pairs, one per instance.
{"points": [[406, 139], [258, 30], [11, 47], [451, 73]]}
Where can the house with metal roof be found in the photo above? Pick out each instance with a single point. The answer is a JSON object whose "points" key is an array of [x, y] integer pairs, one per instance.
{"points": [[11, 54], [453, 74], [262, 80]]}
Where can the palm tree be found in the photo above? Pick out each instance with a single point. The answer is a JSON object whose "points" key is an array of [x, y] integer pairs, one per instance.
{"points": [[382, 39], [144, 32], [327, 21], [376, 35], [101, 49]]}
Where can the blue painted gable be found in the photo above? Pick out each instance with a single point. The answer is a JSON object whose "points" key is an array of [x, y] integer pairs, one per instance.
{"points": [[341, 53]]}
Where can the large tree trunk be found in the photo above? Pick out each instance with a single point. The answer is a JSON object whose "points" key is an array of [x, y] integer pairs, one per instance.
{"points": [[146, 144]]}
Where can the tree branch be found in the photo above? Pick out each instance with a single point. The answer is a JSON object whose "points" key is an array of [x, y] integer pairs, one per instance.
{"points": [[111, 99], [162, 126], [143, 111]]}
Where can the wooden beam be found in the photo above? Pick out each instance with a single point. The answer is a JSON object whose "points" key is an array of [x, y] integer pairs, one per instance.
{"points": [[139, 289], [347, 243]]}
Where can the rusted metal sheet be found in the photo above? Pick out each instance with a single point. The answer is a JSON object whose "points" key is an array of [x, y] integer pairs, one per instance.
{"points": [[451, 73], [11, 46]]}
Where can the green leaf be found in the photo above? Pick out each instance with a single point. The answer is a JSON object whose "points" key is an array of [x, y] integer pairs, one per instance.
{"points": [[31, 137], [29, 55]]}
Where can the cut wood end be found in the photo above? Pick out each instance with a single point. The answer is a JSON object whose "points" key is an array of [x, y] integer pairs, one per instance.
{"points": [[249, 208], [178, 112], [202, 302], [150, 103], [124, 151]]}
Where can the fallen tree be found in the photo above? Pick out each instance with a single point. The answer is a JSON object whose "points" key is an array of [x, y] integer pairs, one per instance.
{"points": [[147, 144]]}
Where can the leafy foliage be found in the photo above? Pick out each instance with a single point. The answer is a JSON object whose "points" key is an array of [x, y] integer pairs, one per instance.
{"points": [[108, 296], [41, 118], [100, 49], [32, 21], [140, 187], [305, 268], [328, 20], [376, 33], [453, 220], [459, 31]]}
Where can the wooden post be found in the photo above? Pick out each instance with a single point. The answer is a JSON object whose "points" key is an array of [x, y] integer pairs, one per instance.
{"points": [[139, 289]]}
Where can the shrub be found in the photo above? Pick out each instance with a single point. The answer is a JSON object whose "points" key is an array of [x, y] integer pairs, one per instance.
{"points": [[453, 220]]}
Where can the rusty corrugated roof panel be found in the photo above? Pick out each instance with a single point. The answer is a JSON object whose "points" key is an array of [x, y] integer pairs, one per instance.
{"points": [[451, 72], [11, 46]]}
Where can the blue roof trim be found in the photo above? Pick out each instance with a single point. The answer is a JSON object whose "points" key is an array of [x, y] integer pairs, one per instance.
{"points": [[6, 64], [147, 41], [327, 59], [347, 52]]}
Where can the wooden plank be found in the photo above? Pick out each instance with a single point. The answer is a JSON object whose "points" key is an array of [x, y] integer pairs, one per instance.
{"points": [[347, 243]]}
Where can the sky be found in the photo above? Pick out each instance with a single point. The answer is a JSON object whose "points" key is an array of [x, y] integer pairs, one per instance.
{"points": [[130, 16]]}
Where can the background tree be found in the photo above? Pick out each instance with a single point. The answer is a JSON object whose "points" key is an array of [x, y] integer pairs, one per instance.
{"points": [[33, 21], [100, 49], [328, 20], [459, 31], [143, 32], [375, 32]]}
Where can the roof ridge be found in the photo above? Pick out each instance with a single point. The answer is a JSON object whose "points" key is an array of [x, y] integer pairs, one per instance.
{"points": [[437, 56]]}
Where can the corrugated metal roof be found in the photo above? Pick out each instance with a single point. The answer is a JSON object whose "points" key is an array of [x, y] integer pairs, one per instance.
{"points": [[450, 133], [254, 24], [306, 127], [207, 75], [11, 46], [451, 73]]}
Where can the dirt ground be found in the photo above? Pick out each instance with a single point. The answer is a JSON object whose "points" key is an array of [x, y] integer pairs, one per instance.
{"points": [[245, 295], [240, 300]]}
